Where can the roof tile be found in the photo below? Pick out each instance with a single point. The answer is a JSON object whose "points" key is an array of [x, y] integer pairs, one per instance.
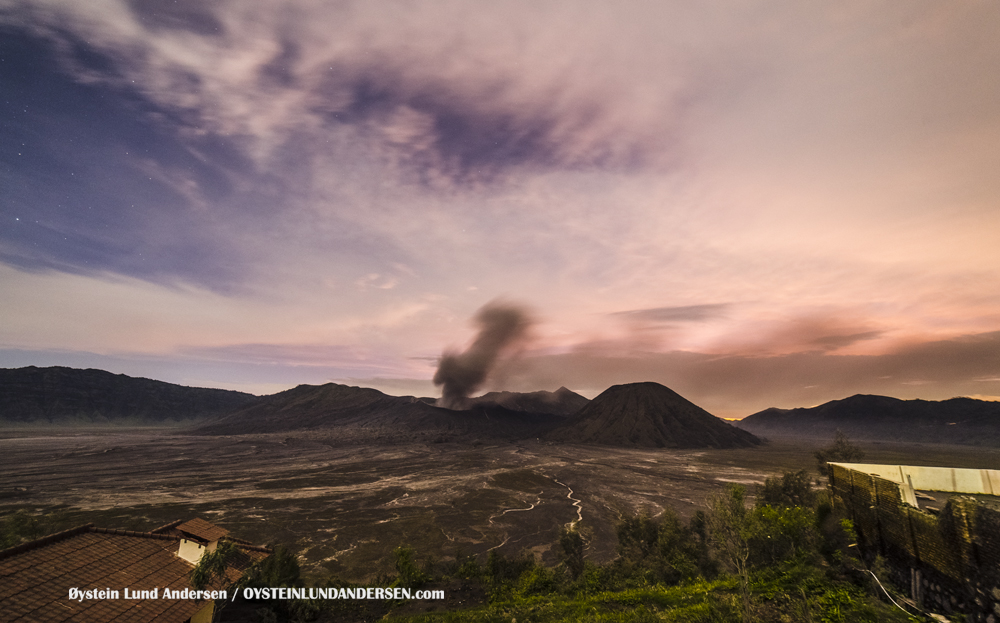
{"points": [[35, 578]]}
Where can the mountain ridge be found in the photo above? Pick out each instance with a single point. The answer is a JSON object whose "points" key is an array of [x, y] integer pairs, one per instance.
{"points": [[60, 394], [865, 416], [335, 407]]}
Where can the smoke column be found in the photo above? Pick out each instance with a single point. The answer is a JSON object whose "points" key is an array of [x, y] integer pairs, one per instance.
{"points": [[460, 374]]}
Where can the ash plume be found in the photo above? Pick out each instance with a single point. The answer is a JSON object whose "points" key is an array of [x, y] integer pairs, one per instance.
{"points": [[460, 374]]}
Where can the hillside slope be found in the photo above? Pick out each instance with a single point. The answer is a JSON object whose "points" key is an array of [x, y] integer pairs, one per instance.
{"points": [[358, 410], [71, 396], [649, 415], [958, 420]]}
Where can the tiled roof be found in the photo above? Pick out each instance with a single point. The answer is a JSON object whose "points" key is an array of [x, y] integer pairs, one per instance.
{"points": [[201, 529], [35, 577]]}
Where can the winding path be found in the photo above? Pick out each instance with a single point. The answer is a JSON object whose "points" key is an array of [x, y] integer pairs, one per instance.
{"points": [[511, 510], [577, 503], [516, 510]]}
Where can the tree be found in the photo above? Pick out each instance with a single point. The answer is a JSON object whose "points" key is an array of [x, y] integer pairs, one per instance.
{"points": [[731, 525], [637, 537], [678, 549], [842, 450], [280, 569], [571, 546], [791, 489], [658, 550], [213, 567]]}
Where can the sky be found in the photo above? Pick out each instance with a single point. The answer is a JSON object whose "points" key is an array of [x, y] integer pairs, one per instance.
{"points": [[754, 203]]}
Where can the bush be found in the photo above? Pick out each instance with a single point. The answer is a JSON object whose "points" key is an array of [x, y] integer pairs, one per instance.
{"points": [[536, 580], [791, 489], [781, 533], [678, 548], [660, 551], [410, 576], [280, 569], [637, 538], [17, 528], [20, 526], [465, 566], [503, 573]]}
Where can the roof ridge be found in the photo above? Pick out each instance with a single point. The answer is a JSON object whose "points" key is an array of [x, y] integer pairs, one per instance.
{"points": [[167, 526], [145, 535], [45, 540], [90, 528]]}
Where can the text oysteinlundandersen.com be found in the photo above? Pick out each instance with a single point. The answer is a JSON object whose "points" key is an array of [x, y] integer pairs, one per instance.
{"points": [[255, 594]]}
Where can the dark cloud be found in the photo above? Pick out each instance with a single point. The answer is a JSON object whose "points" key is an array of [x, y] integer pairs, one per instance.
{"points": [[739, 385], [460, 133], [188, 15], [147, 178], [98, 178], [819, 331], [687, 313], [460, 374], [833, 342]]}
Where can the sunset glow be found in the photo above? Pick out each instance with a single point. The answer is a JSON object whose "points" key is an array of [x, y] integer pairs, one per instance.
{"points": [[762, 204]]}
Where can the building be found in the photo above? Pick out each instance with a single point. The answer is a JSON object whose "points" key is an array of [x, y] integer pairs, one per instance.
{"points": [[938, 529], [115, 575]]}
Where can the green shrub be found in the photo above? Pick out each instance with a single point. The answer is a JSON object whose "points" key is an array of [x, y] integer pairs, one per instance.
{"points": [[536, 580], [17, 528], [781, 533], [791, 489], [658, 551], [637, 538], [280, 569], [409, 575]]}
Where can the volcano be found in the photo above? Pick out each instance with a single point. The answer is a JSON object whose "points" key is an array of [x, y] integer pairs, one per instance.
{"points": [[355, 410], [560, 402], [649, 415]]}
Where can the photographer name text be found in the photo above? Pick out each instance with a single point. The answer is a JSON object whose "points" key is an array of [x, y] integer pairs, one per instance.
{"points": [[255, 594]]}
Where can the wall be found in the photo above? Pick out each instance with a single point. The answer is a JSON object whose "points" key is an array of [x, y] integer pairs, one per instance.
{"points": [[949, 562], [190, 551]]}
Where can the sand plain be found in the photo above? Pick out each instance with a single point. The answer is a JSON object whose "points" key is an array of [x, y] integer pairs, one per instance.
{"points": [[346, 503]]}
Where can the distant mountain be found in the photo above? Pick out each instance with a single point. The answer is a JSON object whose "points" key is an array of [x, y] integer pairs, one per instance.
{"points": [[959, 420], [560, 402], [72, 396], [649, 415], [355, 411], [636, 415]]}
